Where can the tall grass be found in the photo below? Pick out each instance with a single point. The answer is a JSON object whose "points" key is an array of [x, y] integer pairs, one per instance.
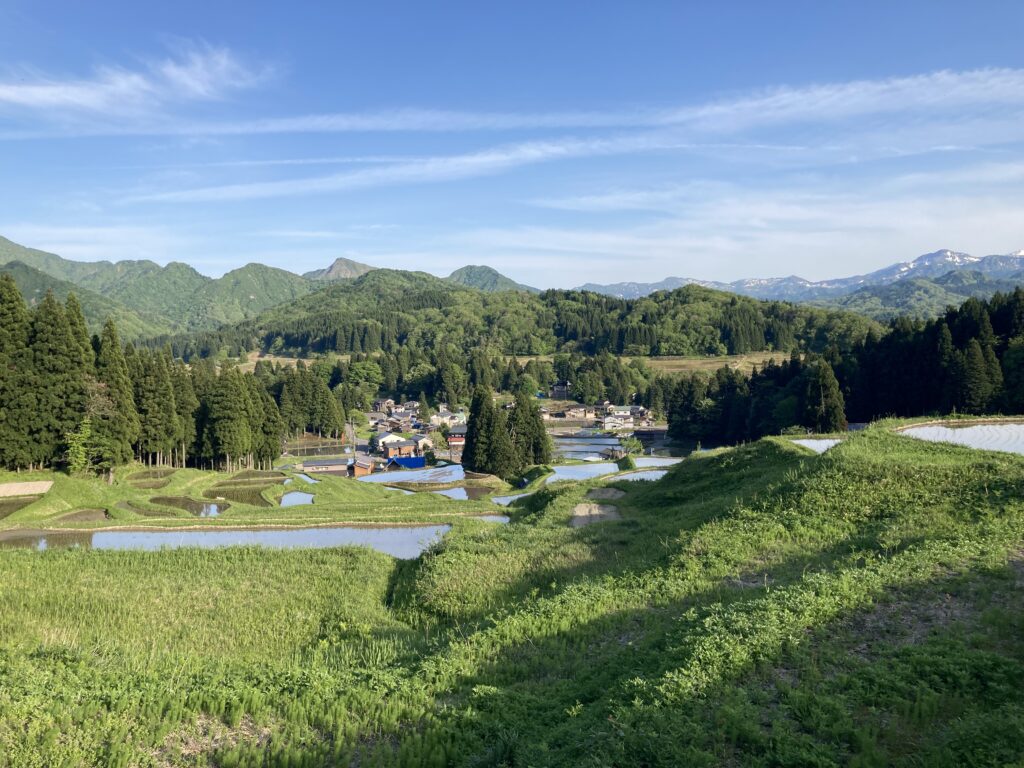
{"points": [[759, 606]]}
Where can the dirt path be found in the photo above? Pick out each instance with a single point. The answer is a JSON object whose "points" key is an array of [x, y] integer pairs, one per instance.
{"points": [[585, 514]]}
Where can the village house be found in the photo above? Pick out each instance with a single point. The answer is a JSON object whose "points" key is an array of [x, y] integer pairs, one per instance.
{"points": [[446, 418], [385, 406], [379, 440], [361, 467], [399, 449], [395, 424], [326, 466], [413, 406], [423, 443], [581, 413], [617, 422], [457, 437], [561, 390]]}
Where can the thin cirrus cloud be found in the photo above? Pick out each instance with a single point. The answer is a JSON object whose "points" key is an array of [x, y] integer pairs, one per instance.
{"points": [[203, 72], [194, 72], [920, 114], [434, 169]]}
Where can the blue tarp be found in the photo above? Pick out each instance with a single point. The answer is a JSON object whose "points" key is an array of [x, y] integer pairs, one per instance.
{"points": [[410, 462]]}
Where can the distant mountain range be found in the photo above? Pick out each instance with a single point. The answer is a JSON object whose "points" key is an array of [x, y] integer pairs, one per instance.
{"points": [[149, 300], [928, 266]]}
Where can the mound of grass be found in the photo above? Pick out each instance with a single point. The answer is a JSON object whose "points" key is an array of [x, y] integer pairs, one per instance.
{"points": [[758, 606]]}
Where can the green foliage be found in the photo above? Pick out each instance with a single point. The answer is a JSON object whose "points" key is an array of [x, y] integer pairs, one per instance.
{"points": [[757, 606]]}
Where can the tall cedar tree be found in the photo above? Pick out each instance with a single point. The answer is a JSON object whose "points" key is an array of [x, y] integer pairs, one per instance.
{"points": [[824, 407], [17, 397], [76, 321], [529, 437], [117, 429], [230, 435], [154, 399], [976, 386], [186, 406], [57, 379], [489, 446]]}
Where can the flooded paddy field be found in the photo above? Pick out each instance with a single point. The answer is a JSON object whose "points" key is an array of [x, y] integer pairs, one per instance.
{"points": [[1005, 437], [404, 542]]}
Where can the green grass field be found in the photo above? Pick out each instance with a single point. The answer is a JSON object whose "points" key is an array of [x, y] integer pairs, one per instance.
{"points": [[760, 606]]}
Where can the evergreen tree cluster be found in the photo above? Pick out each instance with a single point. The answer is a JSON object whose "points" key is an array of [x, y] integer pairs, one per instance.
{"points": [[93, 404], [504, 442], [967, 361], [731, 407], [970, 360]]}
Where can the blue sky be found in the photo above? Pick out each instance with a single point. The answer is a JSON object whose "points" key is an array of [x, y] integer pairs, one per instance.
{"points": [[561, 143]]}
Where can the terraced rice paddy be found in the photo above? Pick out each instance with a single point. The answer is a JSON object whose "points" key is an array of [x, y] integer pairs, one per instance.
{"points": [[989, 437], [464, 494], [403, 542], [582, 471], [192, 506], [451, 473], [296, 499], [818, 444], [648, 474]]}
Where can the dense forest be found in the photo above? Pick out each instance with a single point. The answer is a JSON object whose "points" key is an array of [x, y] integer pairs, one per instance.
{"points": [[92, 404], [386, 311], [971, 360]]}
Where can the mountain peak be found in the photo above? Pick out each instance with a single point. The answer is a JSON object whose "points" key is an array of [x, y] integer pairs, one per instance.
{"points": [[341, 269], [486, 278]]}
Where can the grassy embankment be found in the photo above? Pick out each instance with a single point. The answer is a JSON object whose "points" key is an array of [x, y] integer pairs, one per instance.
{"points": [[759, 606]]}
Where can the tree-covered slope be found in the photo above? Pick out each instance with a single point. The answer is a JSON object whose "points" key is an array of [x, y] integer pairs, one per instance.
{"points": [[486, 279], [34, 284], [174, 297], [386, 310]]}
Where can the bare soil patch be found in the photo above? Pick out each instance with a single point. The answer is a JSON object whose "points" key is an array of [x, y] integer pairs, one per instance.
{"points": [[605, 494], [585, 514], [36, 488]]}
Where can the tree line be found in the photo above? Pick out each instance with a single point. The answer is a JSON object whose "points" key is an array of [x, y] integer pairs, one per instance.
{"points": [[386, 311], [970, 360], [93, 404]]}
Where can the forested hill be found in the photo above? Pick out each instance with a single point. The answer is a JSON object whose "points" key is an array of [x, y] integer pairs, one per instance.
{"points": [[172, 298], [487, 279], [385, 310], [34, 285]]}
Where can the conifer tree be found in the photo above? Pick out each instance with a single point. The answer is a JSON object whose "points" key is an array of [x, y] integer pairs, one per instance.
{"points": [[79, 332], [478, 437], [154, 399], [230, 436], [186, 405], [17, 401], [977, 387], [824, 408], [57, 381], [117, 429]]}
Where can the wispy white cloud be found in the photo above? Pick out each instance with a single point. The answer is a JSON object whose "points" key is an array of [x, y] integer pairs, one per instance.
{"points": [[432, 169], [193, 72]]}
